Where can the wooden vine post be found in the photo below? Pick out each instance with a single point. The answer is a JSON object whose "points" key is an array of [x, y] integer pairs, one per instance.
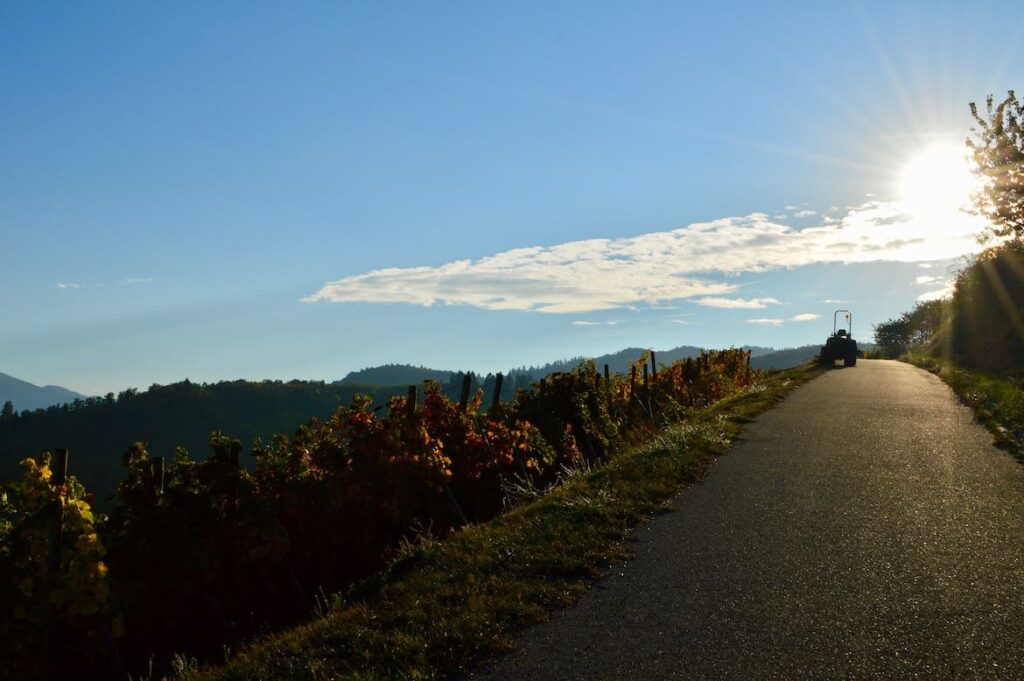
{"points": [[157, 468], [467, 381], [496, 399], [410, 403], [647, 391]]}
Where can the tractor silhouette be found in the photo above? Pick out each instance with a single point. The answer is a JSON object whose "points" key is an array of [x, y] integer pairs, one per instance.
{"points": [[840, 345]]}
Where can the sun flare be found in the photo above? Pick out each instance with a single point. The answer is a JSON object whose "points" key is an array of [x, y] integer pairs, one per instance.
{"points": [[937, 183]]}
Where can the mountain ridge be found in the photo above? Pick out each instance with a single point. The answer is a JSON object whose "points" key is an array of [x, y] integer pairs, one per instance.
{"points": [[28, 396], [761, 357]]}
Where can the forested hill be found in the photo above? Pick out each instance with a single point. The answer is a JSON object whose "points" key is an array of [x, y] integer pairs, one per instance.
{"points": [[23, 395], [99, 430], [397, 374], [407, 374]]}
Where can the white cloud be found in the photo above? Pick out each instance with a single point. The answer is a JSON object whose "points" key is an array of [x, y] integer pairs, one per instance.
{"points": [[805, 214], [768, 321], [737, 303], [791, 207], [925, 280], [926, 265], [832, 301], [658, 267], [805, 317], [131, 281], [581, 322], [938, 294]]}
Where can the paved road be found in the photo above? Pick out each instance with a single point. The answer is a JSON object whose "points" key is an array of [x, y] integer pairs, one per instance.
{"points": [[864, 528]]}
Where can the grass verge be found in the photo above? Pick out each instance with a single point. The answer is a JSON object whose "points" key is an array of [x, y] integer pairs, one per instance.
{"points": [[997, 400], [446, 604]]}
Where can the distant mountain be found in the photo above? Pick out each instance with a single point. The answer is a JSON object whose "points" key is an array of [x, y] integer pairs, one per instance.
{"points": [[791, 357], [389, 375], [396, 374], [784, 359], [23, 395], [618, 362], [758, 350]]}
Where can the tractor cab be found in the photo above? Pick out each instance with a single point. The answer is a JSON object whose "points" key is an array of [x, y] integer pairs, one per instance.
{"points": [[840, 345]]}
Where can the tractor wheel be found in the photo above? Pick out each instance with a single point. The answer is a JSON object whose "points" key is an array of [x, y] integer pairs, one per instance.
{"points": [[823, 358], [850, 361]]}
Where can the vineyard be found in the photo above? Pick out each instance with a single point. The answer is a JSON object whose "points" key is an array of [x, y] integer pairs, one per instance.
{"points": [[199, 556]]}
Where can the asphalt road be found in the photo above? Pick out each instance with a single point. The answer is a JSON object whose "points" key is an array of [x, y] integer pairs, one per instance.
{"points": [[864, 528]]}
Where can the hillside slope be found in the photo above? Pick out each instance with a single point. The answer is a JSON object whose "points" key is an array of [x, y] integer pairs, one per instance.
{"points": [[99, 431]]}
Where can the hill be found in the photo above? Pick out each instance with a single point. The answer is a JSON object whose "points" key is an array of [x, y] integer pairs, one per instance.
{"points": [[98, 431], [24, 395], [397, 374]]}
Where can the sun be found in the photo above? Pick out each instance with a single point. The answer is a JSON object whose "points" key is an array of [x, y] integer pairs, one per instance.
{"points": [[937, 182]]}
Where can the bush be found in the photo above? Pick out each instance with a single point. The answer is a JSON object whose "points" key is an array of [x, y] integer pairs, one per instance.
{"points": [[987, 330]]}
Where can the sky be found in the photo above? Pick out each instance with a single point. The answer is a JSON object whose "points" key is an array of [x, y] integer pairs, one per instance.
{"points": [[298, 190]]}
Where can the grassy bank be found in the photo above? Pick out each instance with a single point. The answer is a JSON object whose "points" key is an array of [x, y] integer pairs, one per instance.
{"points": [[997, 399], [444, 604]]}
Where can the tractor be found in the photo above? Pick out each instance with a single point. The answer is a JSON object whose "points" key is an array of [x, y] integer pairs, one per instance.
{"points": [[840, 345]]}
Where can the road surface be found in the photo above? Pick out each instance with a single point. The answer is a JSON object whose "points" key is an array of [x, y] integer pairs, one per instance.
{"points": [[864, 528]]}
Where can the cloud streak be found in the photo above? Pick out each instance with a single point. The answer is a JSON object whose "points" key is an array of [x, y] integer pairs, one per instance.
{"points": [[657, 267], [129, 281], [737, 303]]}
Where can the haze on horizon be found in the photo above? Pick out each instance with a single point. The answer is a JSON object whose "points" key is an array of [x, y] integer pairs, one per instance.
{"points": [[227, 191]]}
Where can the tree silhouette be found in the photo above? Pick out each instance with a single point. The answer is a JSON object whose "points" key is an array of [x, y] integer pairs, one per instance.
{"points": [[998, 153]]}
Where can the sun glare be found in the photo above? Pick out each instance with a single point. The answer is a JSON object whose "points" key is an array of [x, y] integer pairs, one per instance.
{"points": [[937, 182]]}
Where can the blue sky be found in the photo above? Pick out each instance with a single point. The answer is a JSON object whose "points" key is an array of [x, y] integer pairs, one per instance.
{"points": [[488, 185]]}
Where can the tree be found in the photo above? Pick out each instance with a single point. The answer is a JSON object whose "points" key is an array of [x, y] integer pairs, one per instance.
{"points": [[8, 410], [998, 154], [913, 329]]}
